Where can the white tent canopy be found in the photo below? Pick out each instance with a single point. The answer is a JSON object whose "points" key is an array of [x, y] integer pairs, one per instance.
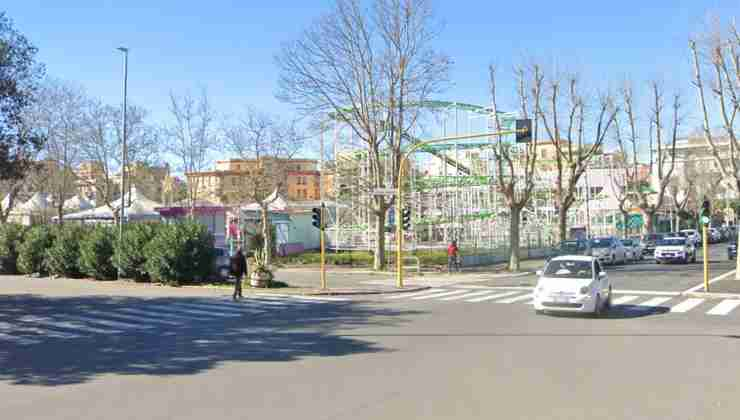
{"points": [[39, 202], [77, 203], [141, 209], [277, 203]]}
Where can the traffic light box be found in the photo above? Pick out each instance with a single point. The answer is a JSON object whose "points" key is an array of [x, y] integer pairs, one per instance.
{"points": [[706, 212], [406, 219], [317, 222]]}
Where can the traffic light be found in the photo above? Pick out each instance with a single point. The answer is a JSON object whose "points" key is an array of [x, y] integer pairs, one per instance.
{"points": [[523, 131], [406, 218], [317, 218], [706, 213]]}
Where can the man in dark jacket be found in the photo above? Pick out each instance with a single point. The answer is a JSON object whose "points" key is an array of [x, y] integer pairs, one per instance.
{"points": [[238, 269]]}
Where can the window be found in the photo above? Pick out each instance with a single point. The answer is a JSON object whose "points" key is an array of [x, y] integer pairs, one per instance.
{"points": [[569, 269], [233, 181]]}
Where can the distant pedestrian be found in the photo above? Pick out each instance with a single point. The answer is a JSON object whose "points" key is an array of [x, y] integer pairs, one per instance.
{"points": [[453, 257], [238, 269]]}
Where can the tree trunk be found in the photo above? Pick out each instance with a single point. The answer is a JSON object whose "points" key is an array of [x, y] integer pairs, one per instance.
{"points": [[266, 237], [514, 239], [625, 220], [563, 223], [379, 252], [649, 226]]}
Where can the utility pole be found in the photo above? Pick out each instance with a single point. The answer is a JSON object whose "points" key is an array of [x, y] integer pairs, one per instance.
{"points": [[124, 152]]}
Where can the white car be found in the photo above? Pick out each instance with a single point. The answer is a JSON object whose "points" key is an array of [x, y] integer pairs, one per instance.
{"points": [[633, 248], [608, 250], [692, 235], [573, 284], [675, 249]]}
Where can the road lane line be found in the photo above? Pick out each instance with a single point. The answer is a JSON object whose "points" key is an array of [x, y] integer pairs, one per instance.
{"points": [[436, 295], [407, 295], [136, 318], [177, 308], [77, 326], [467, 295], [4, 326], [645, 292], [216, 308], [108, 323], [493, 296], [718, 278], [724, 307], [516, 298], [657, 301], [159, 314], [17, 339], [687, 305], [624, 299]]}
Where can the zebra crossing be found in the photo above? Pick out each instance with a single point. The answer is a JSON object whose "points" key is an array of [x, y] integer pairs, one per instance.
{"points": [[144, 316], [672, 303]]}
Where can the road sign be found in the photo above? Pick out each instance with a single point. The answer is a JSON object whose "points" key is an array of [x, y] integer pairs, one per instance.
{"points": [[384, 191]]}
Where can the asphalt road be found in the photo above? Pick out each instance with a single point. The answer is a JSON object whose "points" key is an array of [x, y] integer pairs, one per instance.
{"points": [[94, 351]]}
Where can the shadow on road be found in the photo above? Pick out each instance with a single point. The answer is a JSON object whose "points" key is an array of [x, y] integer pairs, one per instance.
{"points": [[619, 312], [74, 356]]}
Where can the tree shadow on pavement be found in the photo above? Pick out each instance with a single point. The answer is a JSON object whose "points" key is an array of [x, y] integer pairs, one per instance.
{"points": [[57, 353]]}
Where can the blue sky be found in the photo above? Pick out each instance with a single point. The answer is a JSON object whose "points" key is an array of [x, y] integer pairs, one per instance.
{"points": [[228, 46]]}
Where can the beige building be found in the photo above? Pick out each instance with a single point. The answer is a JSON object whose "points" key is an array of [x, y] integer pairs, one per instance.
{"points": [[223, 184]]}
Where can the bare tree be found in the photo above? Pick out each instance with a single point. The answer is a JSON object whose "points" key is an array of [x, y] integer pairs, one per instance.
{"points": [[720, 58], [192, 136], [59, 113], [573, 152], [371, 71], [680, 190], [102, 144], [661, 167], [516, 163], [268, 145]]}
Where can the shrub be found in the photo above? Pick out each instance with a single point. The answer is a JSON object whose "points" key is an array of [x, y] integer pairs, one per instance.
{"points": [[130, 256], [63, 257], [180, 252], [11, 238], [32, 251], [96, 253]]}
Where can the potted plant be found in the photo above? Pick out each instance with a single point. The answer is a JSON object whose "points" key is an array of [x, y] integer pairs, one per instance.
{"points": [[260, 275]]}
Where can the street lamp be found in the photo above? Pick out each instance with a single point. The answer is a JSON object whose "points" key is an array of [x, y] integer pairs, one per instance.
{"points": [[123, 153]]}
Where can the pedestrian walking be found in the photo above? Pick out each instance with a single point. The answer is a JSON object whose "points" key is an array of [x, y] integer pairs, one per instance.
{"points": [[238, 269], [453, 257]]}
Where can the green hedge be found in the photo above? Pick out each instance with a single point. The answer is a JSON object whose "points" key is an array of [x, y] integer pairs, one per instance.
{"points": [[365, 258], [11, 238], [32, 252], [130, 256], [63, 257], [96, 252], [180, 252]]}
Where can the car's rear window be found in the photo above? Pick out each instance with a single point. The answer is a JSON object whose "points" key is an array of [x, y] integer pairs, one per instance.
{"points": [[601, 243], [627, 242], [569, 269], [672, 242]]}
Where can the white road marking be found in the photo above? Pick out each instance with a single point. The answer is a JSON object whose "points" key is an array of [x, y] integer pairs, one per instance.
{"points": [[217, 308], [19, 340], [108, 323], [135, 318], [4, 326], [436, 295], [687, 305], [724, 307], [159, 314], [516, 298], [307, 298], [718, 278], [66, 324], [655, 301], [407, 295], [645, 292], [467, 295], [624, 299], [177, 308], [493, 296]]}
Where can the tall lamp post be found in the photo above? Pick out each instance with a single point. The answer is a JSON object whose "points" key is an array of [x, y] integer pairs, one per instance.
{"points": [[124, 152]]}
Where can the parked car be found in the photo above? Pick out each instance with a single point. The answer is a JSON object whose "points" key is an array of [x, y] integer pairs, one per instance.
{"points": [[573, 284], [608, 250], [648, 243], [222, 266], [633, 249], [570, 247], [675, 249], [714, 236], [732, 249], [693, 236]]}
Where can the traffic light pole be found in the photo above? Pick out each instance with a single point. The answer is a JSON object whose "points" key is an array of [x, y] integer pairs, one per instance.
{"points": [[322, 233], [399, 187], [705, 256]]}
